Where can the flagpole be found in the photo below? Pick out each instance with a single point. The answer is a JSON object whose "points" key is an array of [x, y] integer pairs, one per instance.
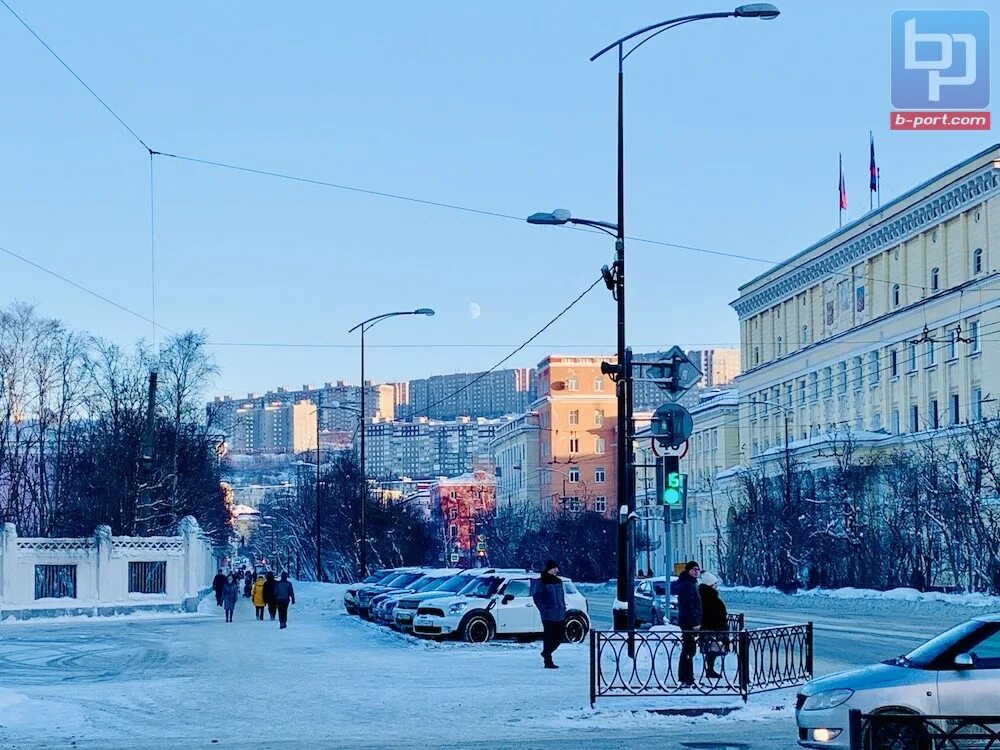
{"points": [[840, 197], [878, 185], [871, 142]]}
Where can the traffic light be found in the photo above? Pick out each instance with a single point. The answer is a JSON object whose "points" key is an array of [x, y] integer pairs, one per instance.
{"points": [[673, 489], [671, 486]]}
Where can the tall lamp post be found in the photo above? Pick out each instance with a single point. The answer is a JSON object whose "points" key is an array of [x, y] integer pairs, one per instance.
{"points": [[624, 612], [363, 326]]}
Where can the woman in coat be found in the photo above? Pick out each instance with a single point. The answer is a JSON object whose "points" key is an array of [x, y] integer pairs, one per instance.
{"points": [[230, 593], [257, 594], [714, 623]]}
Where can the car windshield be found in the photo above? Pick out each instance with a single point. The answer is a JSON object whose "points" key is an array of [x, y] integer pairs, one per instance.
{"points": [[375, 577], [482, 587], [402, 580], [660, 588], [569, 588], [456, 583], [923, 656], [435, 584]]}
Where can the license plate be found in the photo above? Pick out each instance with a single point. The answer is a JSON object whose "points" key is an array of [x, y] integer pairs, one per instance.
{"points": [[422, 620], [404, 618]]}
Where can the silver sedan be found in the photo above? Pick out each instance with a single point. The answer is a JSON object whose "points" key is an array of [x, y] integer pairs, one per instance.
{"points": [[956, 673]]}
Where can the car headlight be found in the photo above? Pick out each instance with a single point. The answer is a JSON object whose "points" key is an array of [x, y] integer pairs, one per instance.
{"points": [[455, 609], [827, 699]]}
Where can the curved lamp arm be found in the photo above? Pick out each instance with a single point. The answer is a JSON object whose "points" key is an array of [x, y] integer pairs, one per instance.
{"points": [[662, 25]]}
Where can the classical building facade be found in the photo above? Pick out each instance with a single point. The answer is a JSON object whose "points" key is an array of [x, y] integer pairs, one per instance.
{"points": [[456, 504], [883, 326], [514, 450]]}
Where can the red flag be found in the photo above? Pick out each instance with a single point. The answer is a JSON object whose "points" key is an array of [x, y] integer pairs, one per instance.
{"points": [[843, 189]]}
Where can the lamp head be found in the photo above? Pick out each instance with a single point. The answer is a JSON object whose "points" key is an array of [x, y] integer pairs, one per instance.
{"points": [[763, 11], [423, 311], [557, 217]]}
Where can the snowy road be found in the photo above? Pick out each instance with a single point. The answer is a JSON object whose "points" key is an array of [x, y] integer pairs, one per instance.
{"points": [[329, 680]]}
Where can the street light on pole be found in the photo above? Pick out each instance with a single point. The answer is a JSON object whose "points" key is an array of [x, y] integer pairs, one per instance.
{"points": [[624, 611], [363, 326]]}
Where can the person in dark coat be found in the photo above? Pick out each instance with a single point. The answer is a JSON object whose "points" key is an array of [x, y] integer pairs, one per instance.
{"points": [[248, 584], [219, 583], [284, 595], [689, 613], [272, 606], [714, 620], [230, 593], [550, 599]]}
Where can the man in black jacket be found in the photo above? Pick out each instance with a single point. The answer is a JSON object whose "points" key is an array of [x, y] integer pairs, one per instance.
{"points": [[284, 595], [550, 598], [689, 619], [218, 583], [272, 606]]}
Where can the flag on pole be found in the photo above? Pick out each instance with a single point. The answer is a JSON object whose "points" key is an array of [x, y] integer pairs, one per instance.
{"points": [[843, 189], [872, 169]]}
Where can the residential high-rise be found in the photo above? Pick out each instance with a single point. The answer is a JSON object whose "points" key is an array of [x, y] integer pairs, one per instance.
{"points": [[427, 448], [274, 428], [490, 395]]}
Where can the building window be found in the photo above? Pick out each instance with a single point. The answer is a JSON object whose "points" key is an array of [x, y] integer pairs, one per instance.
{"points": [[453, 531], [876, 421], [875, 372], [827, 382], [914, 418], [858, 372], [55, 582], [935, 423], [895, 295], [953, 410], [574, 416], [452, 513], [813, 386], [599, 476], [930, 354], [574, 443], [572, 384], [977, 261], [802, 393], [935, 279], [912, 364], [598, 384], [778, 347], [952, 343], [893, 363], [599, 446], [573, 504], [601, 504], [974, 337], [574, 474], [976, 407], [805, 335], [842, 375], [895, 421], [756, 355], [599, 417], [147, 577]]}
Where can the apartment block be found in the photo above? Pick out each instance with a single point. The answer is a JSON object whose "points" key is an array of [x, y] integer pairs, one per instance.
{"points": [[457, 504], [490, 395], [427, 448], [274, 428]]}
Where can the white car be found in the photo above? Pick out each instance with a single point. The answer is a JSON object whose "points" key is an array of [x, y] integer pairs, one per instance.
{"points": [[956, 674], [498, 604], [408, 605]]}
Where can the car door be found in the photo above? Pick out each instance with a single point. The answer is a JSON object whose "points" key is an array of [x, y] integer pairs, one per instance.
{"points": [[515, 609], [973, 690], [644, 602]]}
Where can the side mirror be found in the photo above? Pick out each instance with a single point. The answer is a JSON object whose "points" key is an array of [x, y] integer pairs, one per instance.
{"points": [[507, 599], [964, 661]]}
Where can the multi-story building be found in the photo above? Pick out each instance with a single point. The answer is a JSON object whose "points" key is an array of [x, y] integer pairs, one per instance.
{"points": [[457, 504], [515, 455], [491, 395], [427, 448], [577, 412], [880, 326], [274, 428]]}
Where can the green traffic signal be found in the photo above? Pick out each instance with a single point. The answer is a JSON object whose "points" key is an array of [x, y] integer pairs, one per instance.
{"points": [[673, 489]]}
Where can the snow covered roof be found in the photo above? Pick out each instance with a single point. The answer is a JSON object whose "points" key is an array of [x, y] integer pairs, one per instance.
{"points": [[244, 510]]}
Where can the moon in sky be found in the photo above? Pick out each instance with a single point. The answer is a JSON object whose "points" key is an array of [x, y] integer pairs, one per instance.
{"points": [[474, 310]]}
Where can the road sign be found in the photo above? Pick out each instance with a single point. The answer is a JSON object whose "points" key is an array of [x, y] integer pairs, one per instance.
{"points": [[668, 450], [671, 425], [455, 557], [481, 538], [674, 373]]}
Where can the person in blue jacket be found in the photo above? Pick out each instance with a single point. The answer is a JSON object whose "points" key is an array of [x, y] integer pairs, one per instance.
{"points": [[550, 598], [689, 612], [230, 593]]}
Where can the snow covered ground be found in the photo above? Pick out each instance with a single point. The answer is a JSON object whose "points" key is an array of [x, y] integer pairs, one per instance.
{"points": [[329, 680]]}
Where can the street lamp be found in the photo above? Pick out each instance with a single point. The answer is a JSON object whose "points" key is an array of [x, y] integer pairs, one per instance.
{"points": [[624, 612], [363, 326]]}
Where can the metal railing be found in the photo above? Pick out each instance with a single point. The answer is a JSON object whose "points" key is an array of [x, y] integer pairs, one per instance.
{"points": [[55, 581], [147, 577], [648, 663], [888, 731]]}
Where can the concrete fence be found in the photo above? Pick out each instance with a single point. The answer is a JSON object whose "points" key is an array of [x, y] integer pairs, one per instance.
{"points": [[104, 574]]}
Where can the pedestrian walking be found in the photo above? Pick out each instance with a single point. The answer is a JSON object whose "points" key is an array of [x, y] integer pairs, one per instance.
{"points": [[714, 623], [284, 595], [257, 596], [550, 599], [219, 583], [685, 588], [248, 584], [272, 607], [230, 593]]}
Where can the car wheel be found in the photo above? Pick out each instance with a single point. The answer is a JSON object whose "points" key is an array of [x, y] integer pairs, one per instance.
{"points": [[904, 737], [478, 629], [576, 629]]}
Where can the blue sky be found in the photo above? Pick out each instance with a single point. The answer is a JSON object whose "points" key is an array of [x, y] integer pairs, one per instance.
{"points": [[732, 134]]}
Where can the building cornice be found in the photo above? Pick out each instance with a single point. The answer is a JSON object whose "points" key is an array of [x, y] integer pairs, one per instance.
{"points": [[961, 195]]}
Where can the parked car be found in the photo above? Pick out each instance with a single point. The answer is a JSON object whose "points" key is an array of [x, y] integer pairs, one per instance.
{"points": [[498, 604], [351, 595], [956, 673], [653, 605], [406, 610], [399, 581], [383, 605]]}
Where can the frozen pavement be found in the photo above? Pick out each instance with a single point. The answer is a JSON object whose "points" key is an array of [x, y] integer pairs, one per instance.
{"points": [[329, 680]]}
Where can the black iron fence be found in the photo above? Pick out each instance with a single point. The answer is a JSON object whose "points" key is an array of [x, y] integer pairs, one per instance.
{"points": [[652, 663], [888, 731]]}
